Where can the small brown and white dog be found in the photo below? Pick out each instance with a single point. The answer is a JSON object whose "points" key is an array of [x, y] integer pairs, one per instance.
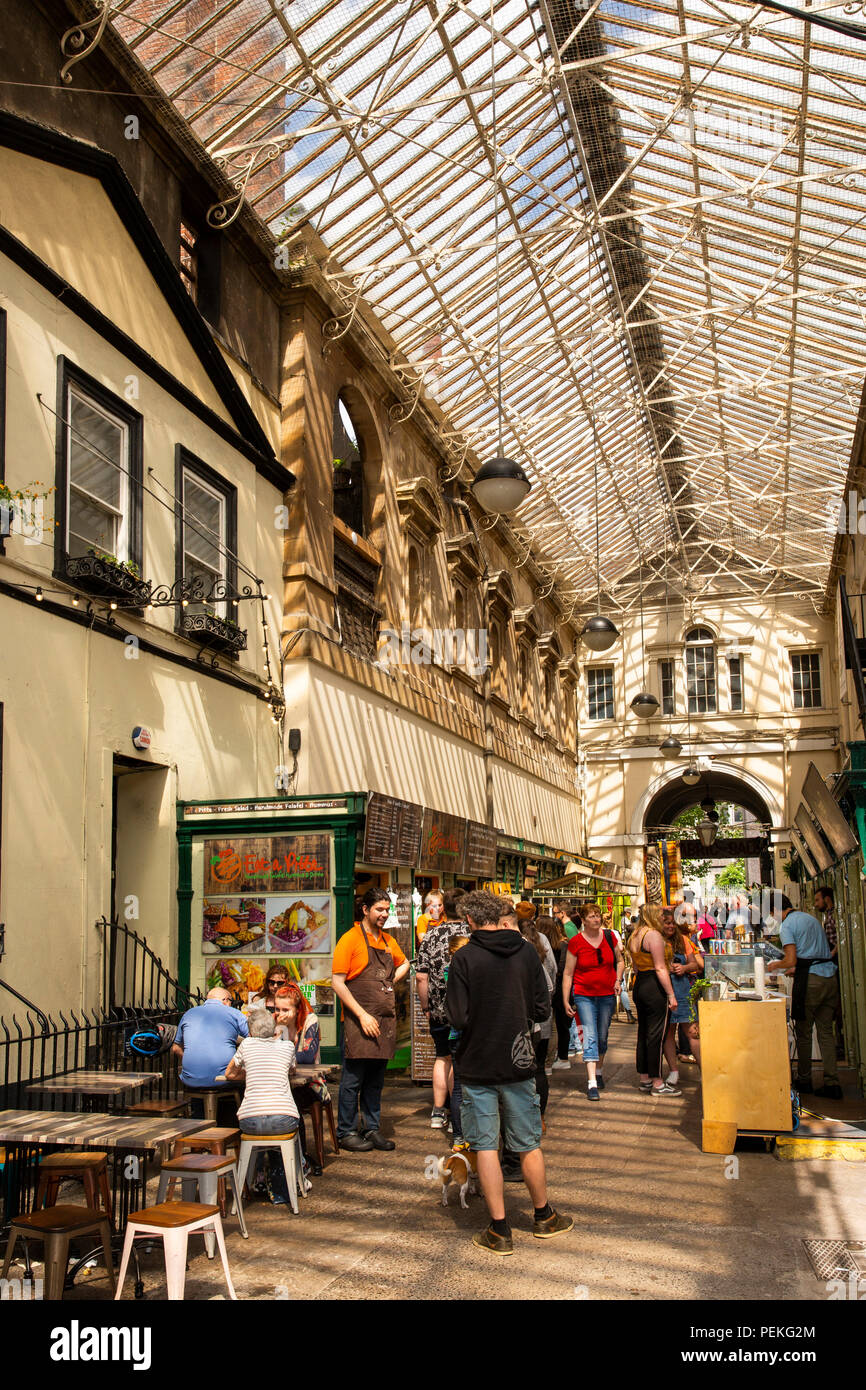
{"points": [[460, 1168]]}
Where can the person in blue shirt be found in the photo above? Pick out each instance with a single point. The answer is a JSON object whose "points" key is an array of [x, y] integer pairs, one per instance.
{"points": [[807, 957], [207, 1039]]}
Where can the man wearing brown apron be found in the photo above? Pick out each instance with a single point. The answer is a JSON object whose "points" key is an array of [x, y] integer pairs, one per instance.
{"points": [[366, 966]]}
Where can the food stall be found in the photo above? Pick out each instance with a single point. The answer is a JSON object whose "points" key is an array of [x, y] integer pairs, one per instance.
{"points": [[607, 884], [267, 880], [745, 1053]]}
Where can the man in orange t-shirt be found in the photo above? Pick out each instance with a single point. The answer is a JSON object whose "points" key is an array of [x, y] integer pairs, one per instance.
{"points": [[367, 964]]}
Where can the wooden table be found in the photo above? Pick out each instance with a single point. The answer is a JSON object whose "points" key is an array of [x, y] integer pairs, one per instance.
{"points": [[24, 1132], [94, 1083]]}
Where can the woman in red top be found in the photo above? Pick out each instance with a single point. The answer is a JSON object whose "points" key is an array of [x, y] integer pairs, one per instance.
{"points": [[593, 971]]}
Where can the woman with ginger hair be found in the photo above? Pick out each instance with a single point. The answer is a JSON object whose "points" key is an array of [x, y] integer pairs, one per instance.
{"points": [[654, 997]]}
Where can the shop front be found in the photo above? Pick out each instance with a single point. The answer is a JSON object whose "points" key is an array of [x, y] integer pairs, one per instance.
{"points": [[267, 880], [410, 850]]}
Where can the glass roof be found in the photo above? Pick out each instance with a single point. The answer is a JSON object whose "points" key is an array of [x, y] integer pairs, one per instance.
{"points": [[675, 193]]}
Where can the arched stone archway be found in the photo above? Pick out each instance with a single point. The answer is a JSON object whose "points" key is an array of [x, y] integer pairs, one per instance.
{"points": [[667, 795]]}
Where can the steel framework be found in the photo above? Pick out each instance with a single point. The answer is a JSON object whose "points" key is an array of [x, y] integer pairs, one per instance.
{"points": [[688, 176]]}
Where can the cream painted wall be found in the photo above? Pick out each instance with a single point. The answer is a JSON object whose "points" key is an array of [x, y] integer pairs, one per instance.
{"points": [[67, 220], [38, 332], [72, 696], [358, 742], [71, 699]]}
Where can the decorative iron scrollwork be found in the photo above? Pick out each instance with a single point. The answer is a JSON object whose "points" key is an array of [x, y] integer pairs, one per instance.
{"points": [[74, 45]]}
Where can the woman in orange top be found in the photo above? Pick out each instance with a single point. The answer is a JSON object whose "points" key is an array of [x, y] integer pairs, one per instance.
{"points": [[367, 964]]}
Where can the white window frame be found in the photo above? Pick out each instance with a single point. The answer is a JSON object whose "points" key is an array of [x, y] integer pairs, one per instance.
{"points": [[219, 607], [122, 546]]}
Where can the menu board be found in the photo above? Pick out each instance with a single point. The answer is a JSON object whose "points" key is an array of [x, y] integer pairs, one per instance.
{"points": [[392, 831], [443, 843], [480, 858], [399, 925], [423, 1047], [267, 864]]}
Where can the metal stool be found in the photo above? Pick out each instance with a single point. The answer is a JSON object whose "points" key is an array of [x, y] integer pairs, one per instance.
{"points": [[211, 1095], [212, 1141], [90, 1168], [289, 1146], [199, 1176], [56, 1226], [174, 1223]]}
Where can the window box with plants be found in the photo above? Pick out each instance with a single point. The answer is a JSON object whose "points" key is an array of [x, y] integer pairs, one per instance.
{"points": [[210, 630], [99, 573]]}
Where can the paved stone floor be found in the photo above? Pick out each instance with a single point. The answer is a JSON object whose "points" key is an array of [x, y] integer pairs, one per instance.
{"points": [[654, 1217]]}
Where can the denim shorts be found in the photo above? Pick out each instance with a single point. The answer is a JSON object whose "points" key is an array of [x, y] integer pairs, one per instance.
{"points": [[518, 1105]]}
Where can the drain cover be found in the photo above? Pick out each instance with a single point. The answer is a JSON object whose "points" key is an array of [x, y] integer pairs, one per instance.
{"points": [[836, 1259]]}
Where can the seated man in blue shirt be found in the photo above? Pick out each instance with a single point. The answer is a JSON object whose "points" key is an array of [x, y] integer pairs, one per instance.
{"points": [[207, 1039], [807, 956]]}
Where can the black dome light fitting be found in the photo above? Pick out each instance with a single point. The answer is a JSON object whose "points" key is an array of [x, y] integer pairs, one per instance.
{"points": [[671, 746], [501, 484]]}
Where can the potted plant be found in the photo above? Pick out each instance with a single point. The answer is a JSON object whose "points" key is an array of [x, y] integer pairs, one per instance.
{"points": [[100, 572], [210, 630]]}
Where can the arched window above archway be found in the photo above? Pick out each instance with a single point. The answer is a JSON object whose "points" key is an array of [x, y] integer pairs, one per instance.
{"points": [[348, 456]]}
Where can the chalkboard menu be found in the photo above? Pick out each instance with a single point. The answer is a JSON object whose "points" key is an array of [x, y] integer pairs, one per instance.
{"points": [[443, 843], [423, 1047], [400, 926], [479, 860], [392, 831]]}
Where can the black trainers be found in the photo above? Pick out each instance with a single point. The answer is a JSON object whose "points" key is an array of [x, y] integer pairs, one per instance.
{"points": [[377, 1140], [356, 1143], [510, 1173], [599, 1080], [592, 1092]]}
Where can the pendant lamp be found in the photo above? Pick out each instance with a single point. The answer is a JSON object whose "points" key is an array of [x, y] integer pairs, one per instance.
{"points": [[707, 832], [599, 633], [671, 746], [644, 704], [692, 776], [500, 485]]}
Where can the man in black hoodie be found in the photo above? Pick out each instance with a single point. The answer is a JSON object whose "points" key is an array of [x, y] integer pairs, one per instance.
{"points": [[496, 991]]}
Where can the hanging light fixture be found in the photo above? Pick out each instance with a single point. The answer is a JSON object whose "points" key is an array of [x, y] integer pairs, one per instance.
{"points": [[599, 633], [671, 746], [501, 484], [707, 831], [644, 704], [692, 776], [708, 803]]}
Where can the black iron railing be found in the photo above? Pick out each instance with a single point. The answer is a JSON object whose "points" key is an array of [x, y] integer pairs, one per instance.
{"points": [[36, 1045]]}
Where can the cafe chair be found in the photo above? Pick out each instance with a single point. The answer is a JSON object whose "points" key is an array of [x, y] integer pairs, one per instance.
{"points": [[211, 1097], [56, 1227], [200, 1175], [90, 1168], [173, 1223], [289, 1146], [315, 1108], [212, 1141], [161, 1108]]}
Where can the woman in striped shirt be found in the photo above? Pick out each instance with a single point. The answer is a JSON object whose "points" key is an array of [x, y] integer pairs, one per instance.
{"points": [[268, 1106]]}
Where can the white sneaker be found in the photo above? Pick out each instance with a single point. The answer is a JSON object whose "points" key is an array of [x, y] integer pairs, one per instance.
{"points": [[559, 1065], [665, 1090], [438, 1119]]}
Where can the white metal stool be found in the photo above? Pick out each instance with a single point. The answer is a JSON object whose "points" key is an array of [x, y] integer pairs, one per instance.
{"points": [[174, 1223], [289, 1146], [199, 1181]]}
